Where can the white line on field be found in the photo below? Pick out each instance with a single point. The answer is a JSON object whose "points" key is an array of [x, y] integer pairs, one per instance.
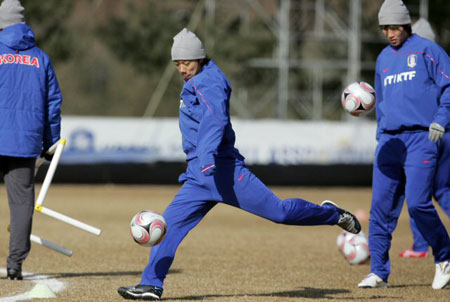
{"points": [[53, 284]]}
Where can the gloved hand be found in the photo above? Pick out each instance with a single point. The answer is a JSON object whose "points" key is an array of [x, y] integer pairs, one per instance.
{"points": [[208, 170], [436, 132], [46, 155]]}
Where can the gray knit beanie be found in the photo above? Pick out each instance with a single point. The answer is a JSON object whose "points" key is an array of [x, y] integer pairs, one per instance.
{"points": [[187, 46], [11, 12], [393, 12], [423, 28]]}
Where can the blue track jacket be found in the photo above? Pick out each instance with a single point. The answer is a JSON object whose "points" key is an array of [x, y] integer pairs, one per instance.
{"points": [[412, 84], [30, 98], [205, 117]]}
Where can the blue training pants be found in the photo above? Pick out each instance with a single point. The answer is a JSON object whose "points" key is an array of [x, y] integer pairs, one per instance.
{"points": [[404, 166], [232, 184], [441, 191]]}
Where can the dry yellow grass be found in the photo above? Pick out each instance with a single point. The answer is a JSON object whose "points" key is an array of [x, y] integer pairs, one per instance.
{"points": [[230, 256]]}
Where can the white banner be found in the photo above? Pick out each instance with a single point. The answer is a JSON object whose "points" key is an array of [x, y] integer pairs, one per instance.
{"points": [[147, 140]]}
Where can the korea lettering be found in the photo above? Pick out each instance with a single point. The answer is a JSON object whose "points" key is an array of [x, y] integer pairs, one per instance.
{"points": [[19, 59]]}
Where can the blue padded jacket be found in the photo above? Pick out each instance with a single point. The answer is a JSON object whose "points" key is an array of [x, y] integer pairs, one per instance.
{"points": [[205, 116], [30, 98]]}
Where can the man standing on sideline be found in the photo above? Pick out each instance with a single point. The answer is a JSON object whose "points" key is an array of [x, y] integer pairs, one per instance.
{"points": [[441, 188], [30, 122], [412, 83]]}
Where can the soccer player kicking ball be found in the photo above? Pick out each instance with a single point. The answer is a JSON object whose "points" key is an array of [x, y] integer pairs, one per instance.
{"points": [[216, 172], [412, 83]]}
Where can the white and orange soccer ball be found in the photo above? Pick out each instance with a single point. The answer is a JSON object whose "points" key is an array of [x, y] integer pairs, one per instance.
{"points": [[358, 98], [354, 247], [148, 228]]}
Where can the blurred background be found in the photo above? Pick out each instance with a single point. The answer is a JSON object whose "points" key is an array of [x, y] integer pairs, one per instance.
{"points": [[284, 58], [287, 60]]}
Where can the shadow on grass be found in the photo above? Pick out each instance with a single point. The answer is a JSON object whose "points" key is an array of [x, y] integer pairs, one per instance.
{"points": [[89, 274], [409, 285], [307, 292]]}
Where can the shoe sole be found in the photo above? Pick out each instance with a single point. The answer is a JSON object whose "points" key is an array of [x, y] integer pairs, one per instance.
{"points": [[130, 296], [410, 256]]}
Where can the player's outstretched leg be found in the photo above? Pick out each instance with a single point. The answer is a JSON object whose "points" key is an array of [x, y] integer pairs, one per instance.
{"points": [[347, 220], [141, 292]]}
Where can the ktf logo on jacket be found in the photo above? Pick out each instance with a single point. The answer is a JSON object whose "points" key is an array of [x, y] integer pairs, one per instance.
{"points": [[412, 61], [400, 77], [19, 59]]}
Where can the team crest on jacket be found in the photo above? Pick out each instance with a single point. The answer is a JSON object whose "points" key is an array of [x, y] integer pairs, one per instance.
{"points": [[412, 61]]}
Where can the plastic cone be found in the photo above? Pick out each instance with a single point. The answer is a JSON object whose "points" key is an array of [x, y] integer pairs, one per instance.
{"points": [[41, 291]]}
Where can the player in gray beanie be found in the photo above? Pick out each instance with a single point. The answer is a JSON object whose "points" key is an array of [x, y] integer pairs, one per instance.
{"points": [[11, 12], [411, 113], [393, 12], [187, 46]]}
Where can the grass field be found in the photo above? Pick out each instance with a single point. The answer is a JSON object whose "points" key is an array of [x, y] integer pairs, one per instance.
{"points": [[230, 256]]}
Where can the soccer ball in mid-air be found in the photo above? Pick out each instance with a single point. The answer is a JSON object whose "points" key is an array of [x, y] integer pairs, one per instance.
{"points": [[354, 247], [358, 98], [148, 228]]}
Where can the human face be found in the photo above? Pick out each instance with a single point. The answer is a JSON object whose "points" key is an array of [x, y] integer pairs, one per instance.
{"points": [[396, 34], [187, 68]]}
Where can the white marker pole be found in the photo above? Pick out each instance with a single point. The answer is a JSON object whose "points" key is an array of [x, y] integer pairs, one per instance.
{"points": [[50, 245], [69, 220], [51, 171], [58, 149]]}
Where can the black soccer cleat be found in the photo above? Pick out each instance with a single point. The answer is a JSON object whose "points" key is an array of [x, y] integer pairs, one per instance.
{"points": [[347, 220], [14, 274], [141, 292]]}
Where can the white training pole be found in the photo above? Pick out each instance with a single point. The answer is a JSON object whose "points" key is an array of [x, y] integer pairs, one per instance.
{"points": [[50, 245], [67, 219], [58, 149], [50, 172]]}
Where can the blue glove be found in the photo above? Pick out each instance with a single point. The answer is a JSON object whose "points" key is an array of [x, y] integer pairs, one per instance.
{"points": [[208, 170]]}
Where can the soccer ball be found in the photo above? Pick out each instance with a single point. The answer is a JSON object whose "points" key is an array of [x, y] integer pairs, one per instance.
{"points": [[358, 98], [354, 247], [148, 228]]}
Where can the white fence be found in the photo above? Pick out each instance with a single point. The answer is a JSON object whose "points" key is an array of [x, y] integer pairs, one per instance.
{"points": [[262, 142]]}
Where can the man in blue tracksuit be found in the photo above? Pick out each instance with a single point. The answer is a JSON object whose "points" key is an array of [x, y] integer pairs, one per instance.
{"points": [[441, 188], [412, 83], [216, 172], [30, 101]]}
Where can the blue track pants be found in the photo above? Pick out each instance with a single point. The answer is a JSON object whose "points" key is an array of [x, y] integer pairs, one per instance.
{"points": [[232, 184], [404, 167], [441, 191]]}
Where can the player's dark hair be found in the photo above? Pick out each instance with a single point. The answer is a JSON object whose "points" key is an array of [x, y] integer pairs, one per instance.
{"points": [[406, 27], [204, 61]]}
